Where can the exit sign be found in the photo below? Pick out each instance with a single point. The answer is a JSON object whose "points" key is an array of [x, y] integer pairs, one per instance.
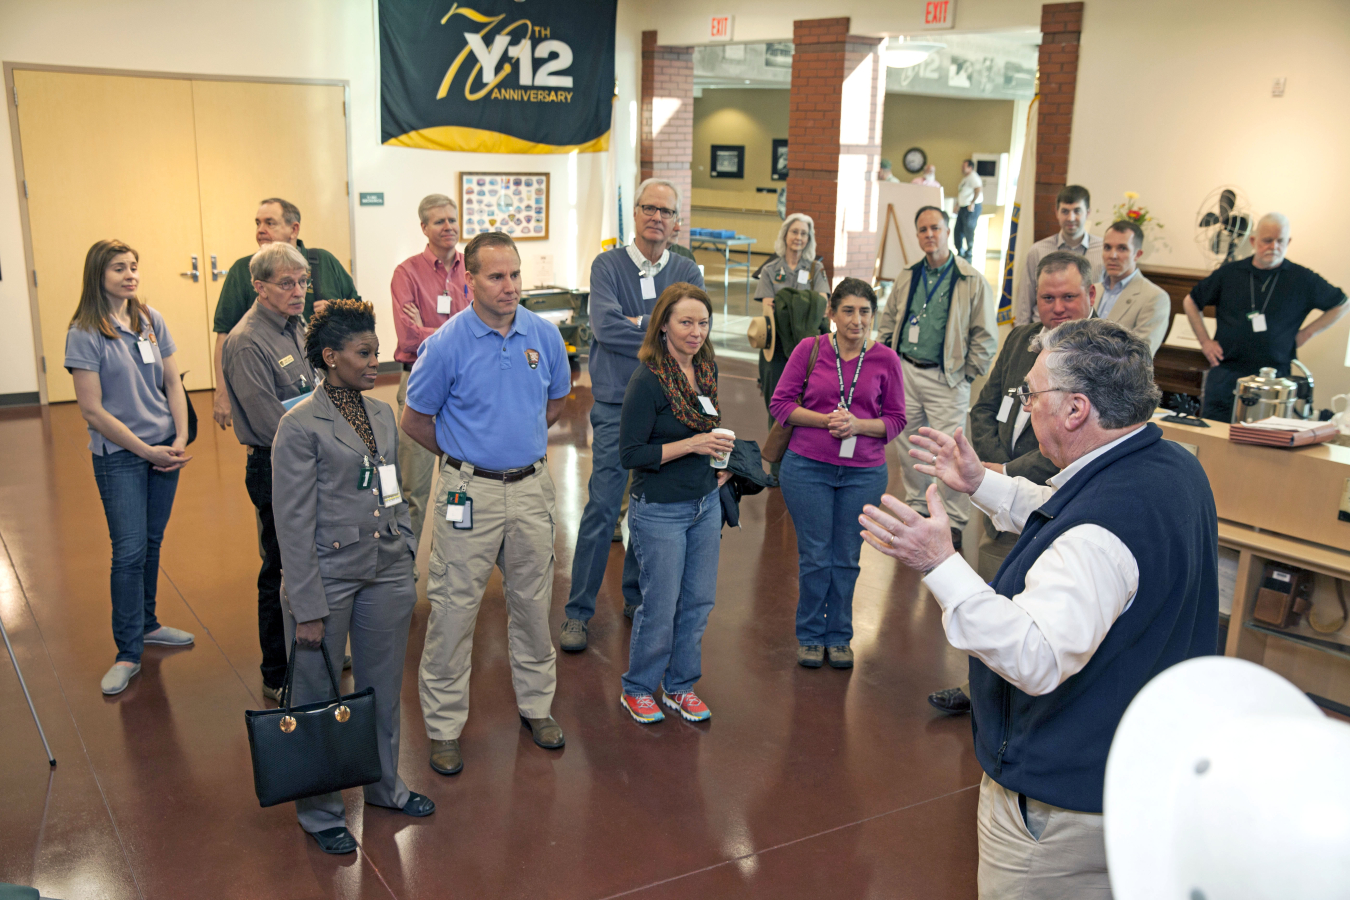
{"points": [[720, 29], [939, 14]]}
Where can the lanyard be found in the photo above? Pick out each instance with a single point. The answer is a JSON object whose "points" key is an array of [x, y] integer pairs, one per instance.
{"points": [[937, 285], [1268, 289], [839, 370]]}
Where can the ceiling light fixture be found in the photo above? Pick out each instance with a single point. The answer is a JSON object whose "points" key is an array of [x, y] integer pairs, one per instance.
{"points": [[901, 54]]}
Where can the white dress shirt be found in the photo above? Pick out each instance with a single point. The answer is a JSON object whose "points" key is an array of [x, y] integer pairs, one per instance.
{"points": [[1073, 593], [647, 269]]}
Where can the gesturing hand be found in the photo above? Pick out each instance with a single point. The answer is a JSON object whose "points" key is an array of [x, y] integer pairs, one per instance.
{"points": [[949, 459], [901, 533]]}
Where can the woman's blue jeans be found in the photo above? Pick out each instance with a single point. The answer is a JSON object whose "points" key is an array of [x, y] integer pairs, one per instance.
{"points": [[677, 545], [825, 501], [137, 501]]}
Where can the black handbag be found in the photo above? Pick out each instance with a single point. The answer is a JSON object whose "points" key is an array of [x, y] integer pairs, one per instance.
{"points": [[305, 751]]}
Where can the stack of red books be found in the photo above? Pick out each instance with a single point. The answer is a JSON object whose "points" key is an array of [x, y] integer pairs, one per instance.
{"points": [[1279, 432]]}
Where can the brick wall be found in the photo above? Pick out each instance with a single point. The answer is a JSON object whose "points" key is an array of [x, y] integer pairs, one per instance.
{"points": [[1061, 25], [832, 162], [668, 101]]}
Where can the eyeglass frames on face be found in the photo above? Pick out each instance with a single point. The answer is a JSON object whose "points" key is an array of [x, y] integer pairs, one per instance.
{"points": [[667, 214], [289, 284], [1024, 393]]}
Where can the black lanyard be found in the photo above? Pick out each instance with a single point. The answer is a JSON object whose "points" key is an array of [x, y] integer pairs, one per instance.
{"points": [[1268, 290], [839, 369]]}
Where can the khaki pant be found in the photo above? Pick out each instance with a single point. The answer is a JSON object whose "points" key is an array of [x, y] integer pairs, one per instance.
{"points": [[416, 468], [1053, 854], [929, 401], [995, 546], [513, 528]]}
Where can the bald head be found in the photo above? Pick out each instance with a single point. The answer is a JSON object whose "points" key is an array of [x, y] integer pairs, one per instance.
{"points": [[1270, 241]]}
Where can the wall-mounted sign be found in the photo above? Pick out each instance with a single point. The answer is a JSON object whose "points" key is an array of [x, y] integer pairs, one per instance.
{"points": [[720, 28], [939, 14], [728, 161], [370, 199], [482, 77]]}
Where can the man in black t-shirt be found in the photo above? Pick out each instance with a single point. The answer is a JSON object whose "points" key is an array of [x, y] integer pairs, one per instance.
{"points": [[1260, 304]]}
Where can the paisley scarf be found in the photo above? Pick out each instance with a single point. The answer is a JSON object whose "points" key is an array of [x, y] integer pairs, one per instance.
{"points": [[683, 401]]}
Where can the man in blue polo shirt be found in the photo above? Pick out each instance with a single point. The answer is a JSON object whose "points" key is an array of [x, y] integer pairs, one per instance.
{"points": [[484, 391], [625, 283]]}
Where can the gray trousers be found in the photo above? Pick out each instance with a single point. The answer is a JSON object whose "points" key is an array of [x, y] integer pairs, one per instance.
{"points": [[377, 614]]}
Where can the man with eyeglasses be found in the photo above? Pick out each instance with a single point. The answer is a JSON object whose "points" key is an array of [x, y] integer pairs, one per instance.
{"points": [[1000, 426], [625, 283], [276, 220], [1114, 579], [265, 372]]}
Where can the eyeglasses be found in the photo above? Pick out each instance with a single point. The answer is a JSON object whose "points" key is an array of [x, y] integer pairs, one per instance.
{"points": [[667, 214], [1024, 393], [289, 284]]}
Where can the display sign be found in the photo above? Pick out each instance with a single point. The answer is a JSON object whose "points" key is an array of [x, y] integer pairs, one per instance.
{"points": [[510, 202], [720, 28], [939, 14], [497, 76]]}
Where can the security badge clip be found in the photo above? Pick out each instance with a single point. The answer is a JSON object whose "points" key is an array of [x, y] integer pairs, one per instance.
{"points": [[367, 476], [1258, 321], [459, 510], [913, 333], [390, 493], [443, 304]]}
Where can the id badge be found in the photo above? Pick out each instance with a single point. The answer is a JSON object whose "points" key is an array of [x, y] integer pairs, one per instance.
{"points": [[443, 305], [847, 446], [148, 353], [707, 405], [390, 495], [913, 334], [1258, 321], [459, 510], [801, 277], [1004, 408], [366, 478], [648, 287]]}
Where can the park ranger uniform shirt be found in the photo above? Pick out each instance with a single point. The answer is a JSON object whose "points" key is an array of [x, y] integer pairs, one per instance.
{"points": [[265, 364]]}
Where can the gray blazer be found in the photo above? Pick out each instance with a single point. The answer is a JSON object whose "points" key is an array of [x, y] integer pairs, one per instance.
{"points": [[1143, 309], [329, 528]]}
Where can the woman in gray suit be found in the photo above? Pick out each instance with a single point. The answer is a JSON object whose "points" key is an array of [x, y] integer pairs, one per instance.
{"points": [[346, 548]]}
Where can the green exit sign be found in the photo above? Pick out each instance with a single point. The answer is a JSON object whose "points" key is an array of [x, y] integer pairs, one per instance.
{"points": [[372, 199]]}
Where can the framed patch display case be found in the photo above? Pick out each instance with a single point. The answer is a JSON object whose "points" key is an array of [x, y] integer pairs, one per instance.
{"points": [[511, 202]]}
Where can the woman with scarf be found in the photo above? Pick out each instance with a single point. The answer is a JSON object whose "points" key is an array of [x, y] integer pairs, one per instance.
{"points": [[674, 513]]}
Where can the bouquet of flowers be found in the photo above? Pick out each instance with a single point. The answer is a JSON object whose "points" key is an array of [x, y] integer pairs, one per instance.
{"points": [[1132, 211]]}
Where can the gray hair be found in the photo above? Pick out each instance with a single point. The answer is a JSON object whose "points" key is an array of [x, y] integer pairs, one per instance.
{"points": [[277, 256], [1060, 260], [433, 201], [780, 242], [1105, 363], [659, 182], [1274, 218], [290, 213]]}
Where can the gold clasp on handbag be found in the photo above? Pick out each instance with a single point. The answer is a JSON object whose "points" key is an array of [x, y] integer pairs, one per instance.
{"points": [[287, 724], [342, 714]]}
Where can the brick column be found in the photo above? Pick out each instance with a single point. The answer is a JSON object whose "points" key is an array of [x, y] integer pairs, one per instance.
{"points": [[1061, 24], [668, 120], [834, 140]]}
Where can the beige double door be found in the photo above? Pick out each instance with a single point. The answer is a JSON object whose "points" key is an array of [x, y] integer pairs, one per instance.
{"points": [[175, 168]]}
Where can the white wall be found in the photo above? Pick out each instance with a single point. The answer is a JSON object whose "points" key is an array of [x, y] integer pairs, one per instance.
{"points": [[324, 39], [1174, 99]]}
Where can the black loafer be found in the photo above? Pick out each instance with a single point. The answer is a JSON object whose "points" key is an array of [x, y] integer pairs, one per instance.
{"points": [[335, 840], [952, 701], [956, 539], [419, 805]]}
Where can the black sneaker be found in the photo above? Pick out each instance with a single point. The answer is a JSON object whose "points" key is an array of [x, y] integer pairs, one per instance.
{"points": [[952, 701], [956, 539]]}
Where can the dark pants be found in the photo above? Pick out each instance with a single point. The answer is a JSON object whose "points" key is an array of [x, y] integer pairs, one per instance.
{"points": [[271, 633], [1220, 382], [965, 230], [137, 501]]}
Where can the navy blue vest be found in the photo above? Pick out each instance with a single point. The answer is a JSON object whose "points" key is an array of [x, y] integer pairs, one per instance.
{"points": [[1155, 497]]}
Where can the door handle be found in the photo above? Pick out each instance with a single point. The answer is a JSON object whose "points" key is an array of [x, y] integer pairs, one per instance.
{"points": [[217, 274], [195, 275]]}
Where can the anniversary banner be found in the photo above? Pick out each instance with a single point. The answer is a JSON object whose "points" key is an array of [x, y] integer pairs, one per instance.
{"points": [[497, 76]]}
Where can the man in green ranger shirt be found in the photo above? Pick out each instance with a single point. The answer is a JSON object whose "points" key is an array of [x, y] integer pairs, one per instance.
{"points": [[277, 220]]}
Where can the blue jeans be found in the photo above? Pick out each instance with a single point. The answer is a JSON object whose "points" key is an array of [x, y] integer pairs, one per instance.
{"points": [[825, 501], [964, 232], [677, 548], [137, 501], [609, 479]]}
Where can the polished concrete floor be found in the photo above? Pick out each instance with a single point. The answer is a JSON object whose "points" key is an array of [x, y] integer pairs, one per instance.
{"points": [[816, 784]]}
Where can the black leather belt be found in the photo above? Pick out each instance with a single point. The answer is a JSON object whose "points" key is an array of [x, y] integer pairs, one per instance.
{"points": [[510, 476], [407, 367], [918, 363], [257, 451]]}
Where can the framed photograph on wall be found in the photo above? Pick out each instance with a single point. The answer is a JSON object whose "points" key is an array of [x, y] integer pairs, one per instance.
{"points": [[512, 202], [728, 161], [778, 162]]}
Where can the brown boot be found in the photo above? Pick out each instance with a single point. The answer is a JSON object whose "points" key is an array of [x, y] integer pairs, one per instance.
{"points": [[546, 732], [445, 757]]}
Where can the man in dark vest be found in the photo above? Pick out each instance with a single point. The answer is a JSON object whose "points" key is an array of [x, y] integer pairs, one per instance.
{"points": [[1113, 580]]}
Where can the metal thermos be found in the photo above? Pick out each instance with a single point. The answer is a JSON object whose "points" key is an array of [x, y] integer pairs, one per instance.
{"points": [[1263, 395]]}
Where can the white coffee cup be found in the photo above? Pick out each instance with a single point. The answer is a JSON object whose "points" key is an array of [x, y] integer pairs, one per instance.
{"points": [[720, 461]]}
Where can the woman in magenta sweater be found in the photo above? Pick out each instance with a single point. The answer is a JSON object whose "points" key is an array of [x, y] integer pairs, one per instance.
{"points": [[853, 406]]}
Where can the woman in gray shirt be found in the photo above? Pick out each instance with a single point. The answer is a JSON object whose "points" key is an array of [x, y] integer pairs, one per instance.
{"points": [[120, 354]]}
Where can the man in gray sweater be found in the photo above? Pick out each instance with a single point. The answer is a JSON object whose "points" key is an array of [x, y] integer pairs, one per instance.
{"points": [[625, 283]]}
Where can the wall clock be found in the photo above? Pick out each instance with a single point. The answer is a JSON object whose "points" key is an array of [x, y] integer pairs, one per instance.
{"points": [[914, 160]]}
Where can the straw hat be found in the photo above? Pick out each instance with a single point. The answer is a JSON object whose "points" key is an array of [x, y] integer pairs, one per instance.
{"points": [[763, 335]]}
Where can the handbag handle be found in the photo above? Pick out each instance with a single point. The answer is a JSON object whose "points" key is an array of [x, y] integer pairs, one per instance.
{"points": [[290, 675]]}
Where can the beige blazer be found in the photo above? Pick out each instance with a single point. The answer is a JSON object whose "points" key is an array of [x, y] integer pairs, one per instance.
{"points": [[971, 339], [1143, 308], [327, 526]]}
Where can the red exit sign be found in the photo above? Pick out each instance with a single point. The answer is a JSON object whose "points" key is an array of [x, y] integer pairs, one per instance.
{"points": [[721, 28], [939, 14]]}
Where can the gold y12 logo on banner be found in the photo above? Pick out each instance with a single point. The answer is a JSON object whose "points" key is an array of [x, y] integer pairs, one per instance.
{"points": [[538, 66]]}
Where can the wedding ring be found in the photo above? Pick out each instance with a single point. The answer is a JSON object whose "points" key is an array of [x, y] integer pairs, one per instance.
{"points": [[890, 539]]}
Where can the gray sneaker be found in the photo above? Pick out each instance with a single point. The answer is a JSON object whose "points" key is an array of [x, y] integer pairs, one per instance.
{"points": [[169, 637], [573, 636], [812, 656], [118, 677]]}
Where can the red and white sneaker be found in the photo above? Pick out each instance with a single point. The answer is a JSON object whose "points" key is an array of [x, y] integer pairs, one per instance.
{"points": [[642, 708], [687, 704]]}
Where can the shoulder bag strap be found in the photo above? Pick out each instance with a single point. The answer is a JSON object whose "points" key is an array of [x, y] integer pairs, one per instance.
{"points": [[810, 366]]}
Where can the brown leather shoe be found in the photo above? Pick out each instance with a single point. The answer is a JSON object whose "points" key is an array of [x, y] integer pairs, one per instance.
{"points": [[546, 732], [445, 757]]}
